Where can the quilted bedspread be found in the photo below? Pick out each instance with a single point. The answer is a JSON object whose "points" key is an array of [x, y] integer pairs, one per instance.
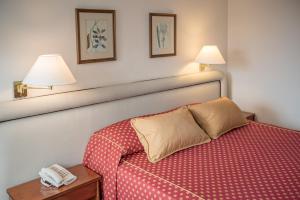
{"points": [[257, 161]]}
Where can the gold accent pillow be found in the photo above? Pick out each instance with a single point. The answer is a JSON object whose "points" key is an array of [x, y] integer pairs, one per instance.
{"points": [[163, 134], [218, 116]]}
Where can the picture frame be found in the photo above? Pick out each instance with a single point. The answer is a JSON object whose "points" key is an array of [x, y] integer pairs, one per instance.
{"points": [[162, 34], [95, 35]]}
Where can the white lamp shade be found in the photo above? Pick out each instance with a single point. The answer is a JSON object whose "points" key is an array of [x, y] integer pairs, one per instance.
{"points": [[49, 70], [210, 54]]}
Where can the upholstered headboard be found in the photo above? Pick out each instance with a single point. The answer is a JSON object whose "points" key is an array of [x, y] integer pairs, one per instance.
{"points": [[17, 109], [36, 132]]}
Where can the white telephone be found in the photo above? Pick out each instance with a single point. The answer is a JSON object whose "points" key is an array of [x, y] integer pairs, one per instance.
{"points": [[56, 175]]}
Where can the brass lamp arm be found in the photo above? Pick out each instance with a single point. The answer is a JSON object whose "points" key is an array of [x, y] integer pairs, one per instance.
{"points": [[46, 87], [20, 89]]}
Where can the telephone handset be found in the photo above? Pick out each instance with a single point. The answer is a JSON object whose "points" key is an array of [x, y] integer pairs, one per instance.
{"points": [[56, 175]]}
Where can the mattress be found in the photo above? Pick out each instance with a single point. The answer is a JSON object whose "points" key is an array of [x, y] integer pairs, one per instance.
{"points": [[257, 161]]}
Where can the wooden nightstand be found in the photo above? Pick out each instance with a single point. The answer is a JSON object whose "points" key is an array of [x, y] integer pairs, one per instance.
{"points": [[87, 186], [249, 115]]}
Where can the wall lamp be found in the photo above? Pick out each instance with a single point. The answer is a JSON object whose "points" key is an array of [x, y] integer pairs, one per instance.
{"points": [[47, 71], [209, 54]]}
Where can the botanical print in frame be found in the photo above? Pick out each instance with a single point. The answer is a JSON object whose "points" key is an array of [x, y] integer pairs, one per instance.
{"points": [[162, 35], [96, 35]]}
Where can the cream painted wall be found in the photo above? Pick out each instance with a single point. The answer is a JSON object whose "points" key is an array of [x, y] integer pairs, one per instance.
{"points": [[264, 58], [33, 27]]}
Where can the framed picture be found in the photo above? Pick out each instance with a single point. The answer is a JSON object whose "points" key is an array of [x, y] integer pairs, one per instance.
{"points": [[96, 35], [162, 35]]}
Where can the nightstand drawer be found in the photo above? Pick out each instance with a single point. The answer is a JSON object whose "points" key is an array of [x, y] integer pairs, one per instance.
{"points": [[82, 193]]}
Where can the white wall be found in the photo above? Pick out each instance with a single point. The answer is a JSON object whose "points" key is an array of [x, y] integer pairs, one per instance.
{"points": [[33, 27], [264, 58]]}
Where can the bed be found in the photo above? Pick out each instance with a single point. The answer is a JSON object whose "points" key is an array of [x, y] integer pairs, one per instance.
{"points": [[257, 161]]}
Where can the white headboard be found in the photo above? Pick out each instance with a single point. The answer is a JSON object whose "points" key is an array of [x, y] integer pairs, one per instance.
{"points": [[36, 132], [28, 107]]}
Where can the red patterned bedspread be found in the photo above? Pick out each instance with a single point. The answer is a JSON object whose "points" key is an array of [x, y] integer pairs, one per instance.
{"points": [[256, 161]]}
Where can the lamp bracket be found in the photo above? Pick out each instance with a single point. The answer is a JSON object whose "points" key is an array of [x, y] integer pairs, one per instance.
{"points": [[20, 89], [203, 66]]}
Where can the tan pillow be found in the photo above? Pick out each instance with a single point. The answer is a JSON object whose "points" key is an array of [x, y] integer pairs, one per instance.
{"points": [[218, 116], [164, 134]]}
